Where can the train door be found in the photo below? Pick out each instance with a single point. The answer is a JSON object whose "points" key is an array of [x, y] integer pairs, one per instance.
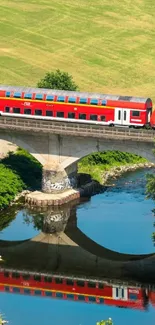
{"points": [[122, 116], [120, 293]]}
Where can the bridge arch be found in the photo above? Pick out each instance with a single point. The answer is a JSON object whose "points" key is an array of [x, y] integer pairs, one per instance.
{"points": [[144, 150], [20, 142]]}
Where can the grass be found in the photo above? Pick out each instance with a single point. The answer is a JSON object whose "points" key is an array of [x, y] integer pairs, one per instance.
{"points": [[98, 163], [107, 46]]}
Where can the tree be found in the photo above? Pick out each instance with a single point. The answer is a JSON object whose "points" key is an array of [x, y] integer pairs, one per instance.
{"points": [[57, 80]]}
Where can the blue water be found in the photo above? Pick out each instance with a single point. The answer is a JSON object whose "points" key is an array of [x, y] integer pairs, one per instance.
{"points": [[23, 310], [19, 229], [120, 219]]}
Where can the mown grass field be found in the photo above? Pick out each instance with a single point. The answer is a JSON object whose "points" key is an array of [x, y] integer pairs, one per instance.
{"points": [[107, 46]]}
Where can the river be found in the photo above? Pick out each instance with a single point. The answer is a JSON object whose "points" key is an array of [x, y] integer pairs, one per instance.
{"points": [[120, 219]]}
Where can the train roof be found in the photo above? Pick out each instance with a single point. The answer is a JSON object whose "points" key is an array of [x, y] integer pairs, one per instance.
{"points": [[74, 94]]}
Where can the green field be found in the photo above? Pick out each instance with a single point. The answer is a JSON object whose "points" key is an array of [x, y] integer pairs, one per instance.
{"points": [[107, 46]]}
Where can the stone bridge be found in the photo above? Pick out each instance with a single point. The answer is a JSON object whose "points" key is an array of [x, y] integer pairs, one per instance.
{"points": [[58, 146]]}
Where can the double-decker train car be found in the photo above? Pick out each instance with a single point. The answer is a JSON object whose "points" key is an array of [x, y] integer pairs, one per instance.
{"points": [[74, 106], [72, 288]]}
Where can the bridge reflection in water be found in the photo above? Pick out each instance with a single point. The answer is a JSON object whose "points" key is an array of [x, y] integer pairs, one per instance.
{"points": [[62, 262]]}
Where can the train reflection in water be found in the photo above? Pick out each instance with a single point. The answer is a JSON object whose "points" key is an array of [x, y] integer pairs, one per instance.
{"points": [[112, 293]]}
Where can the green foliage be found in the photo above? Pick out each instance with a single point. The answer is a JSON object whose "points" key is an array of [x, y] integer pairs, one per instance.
{"points": [[57, 80], [150, 187], [18, 171], [97, 163], [10, 185], [26, 167]]}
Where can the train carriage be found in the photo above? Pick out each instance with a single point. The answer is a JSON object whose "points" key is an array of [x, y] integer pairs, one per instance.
{"points": [[71, 106]]}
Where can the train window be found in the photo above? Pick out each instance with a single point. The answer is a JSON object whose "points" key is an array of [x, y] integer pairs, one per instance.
{"points": [[7, 94], [104, 102], [59, 294], [49, 113], [80, 283], [135, 113], [71, 100], [16, 290], [58, 280], [17, 95], [124, 115], [83, 101], [94, 101], [71, 115], [6, 274], [60, 99], [100, 285], [82, 116], [48, 293], [15, 275], [27, 291], [91, 284], [37, 277], [81, 298], [16, 110], [28, 96], [102, 118], [49, 97], [119, 115], [37, 292], [70, 296], [69, 282], [132, 296], [116, 292], [7, 288], [60, 114], [7, 109], [39, 96], [93, 117], [122, 293], [38, 112], [47, 279], [27, 111], [92, 299], [26, 276]]}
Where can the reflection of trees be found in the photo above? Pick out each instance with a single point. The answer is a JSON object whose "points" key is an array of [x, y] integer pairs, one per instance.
{"points": [[8, 215], [33, 217], [48, 219], [153, 234]]}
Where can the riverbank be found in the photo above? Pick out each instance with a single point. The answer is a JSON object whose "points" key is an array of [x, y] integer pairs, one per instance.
{"points": [[117, 171], [103, 165]]}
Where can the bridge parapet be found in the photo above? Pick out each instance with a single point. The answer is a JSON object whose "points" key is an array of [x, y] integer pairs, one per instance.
{"points": [[75, 129]]}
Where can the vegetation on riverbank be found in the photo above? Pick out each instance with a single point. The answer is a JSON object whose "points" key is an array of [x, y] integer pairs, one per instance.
{"points": [[98, 163], [18, 171]]}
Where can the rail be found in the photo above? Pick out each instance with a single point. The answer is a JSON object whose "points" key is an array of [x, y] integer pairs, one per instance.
{"points": [[74, 129]]}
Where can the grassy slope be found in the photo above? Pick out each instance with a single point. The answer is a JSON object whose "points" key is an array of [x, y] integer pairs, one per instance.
{"points": [[108, 46]]}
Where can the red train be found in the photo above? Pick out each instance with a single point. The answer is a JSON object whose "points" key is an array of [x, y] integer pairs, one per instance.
{"points": [[78, 107], [77, 289]]}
